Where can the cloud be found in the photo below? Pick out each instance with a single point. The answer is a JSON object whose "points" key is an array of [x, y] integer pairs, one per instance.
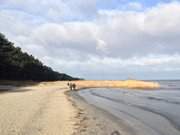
{"points": [[58, 10], [101, 46], [150, 31], [135, 6], [117, 68], [78, 38]]}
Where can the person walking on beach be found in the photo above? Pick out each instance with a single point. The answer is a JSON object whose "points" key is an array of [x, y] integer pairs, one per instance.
{"points": [[70, 85], [74, 86]]}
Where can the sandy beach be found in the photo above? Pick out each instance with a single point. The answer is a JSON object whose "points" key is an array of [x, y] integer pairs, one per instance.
{"points": [[89, 67], [43, 109], [49, 108], [95, 121], [131, 84]]}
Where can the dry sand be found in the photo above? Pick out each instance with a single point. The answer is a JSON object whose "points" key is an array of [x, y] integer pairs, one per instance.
{"points": [[132, 84], [43, 109]]}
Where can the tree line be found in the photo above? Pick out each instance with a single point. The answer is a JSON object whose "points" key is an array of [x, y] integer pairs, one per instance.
{"points": [[18, 65]]}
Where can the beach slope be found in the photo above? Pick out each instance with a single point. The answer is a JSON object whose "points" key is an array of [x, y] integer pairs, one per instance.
{"points": [[43, 109]]}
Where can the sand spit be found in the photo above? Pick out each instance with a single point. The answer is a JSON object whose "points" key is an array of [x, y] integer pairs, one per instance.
{"points": [[131, 84], [82, 84]]}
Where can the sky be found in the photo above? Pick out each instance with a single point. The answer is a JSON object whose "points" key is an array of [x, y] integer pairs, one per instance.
{"points": [[98, 39]]}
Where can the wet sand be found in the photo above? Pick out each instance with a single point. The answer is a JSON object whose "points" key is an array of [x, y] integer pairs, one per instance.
{"points": [[93, 120]]}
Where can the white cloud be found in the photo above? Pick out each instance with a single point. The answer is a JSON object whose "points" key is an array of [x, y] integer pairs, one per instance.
{"points": [[101, 46], [56, 10], [152, 31], [114, 42], [163, 19], [133, 6], [107, 67]]}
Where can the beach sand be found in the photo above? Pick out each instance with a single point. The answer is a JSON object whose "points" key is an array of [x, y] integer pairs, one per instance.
{"points": [[95, 121], [42, 109], [130, 84], [48, 108]]}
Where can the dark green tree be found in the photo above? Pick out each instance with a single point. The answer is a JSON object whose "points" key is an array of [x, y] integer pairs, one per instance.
{"points": [[17, 65]]}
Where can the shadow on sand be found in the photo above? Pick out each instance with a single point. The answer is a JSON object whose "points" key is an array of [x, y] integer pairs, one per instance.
{"points": [[15, 86]]}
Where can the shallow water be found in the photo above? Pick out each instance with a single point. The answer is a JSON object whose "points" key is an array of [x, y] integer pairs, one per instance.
{"points": [[155, 112]]}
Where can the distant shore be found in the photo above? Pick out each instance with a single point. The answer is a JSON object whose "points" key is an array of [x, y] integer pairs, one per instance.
{"points": [[83, 84], [130, 84]]}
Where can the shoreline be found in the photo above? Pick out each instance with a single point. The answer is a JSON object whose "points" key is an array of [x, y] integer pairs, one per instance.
{"points": [[75, 115], [53, 109], [94, 120], [128, 111]]}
